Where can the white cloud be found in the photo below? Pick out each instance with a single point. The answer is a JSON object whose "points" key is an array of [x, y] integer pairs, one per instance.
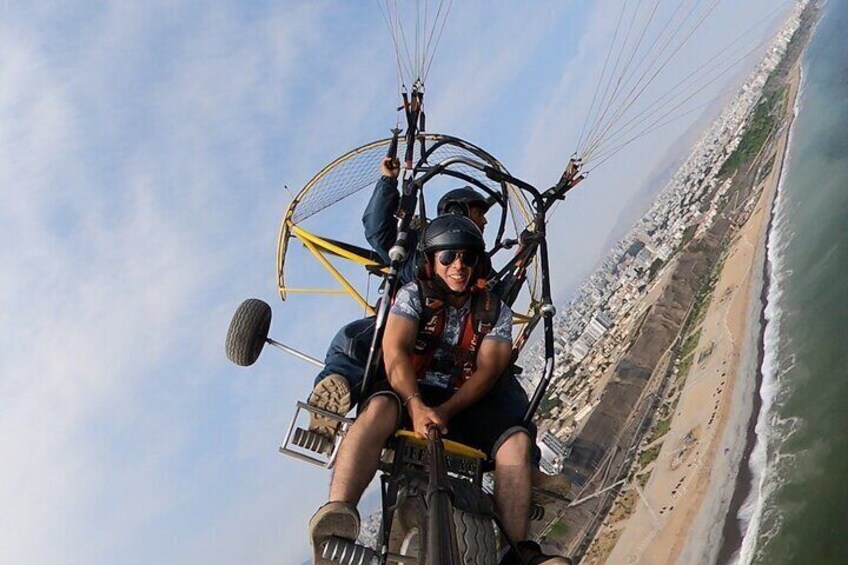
{"points": [[122, 225], [142, 151]]}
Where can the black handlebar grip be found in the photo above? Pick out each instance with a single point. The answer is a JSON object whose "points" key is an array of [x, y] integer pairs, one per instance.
{"points": [[393, 145]]}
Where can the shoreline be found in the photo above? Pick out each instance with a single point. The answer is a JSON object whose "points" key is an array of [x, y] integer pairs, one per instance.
{"points": [[719, 537], [688, 509], [716, 536], [732, 532]]}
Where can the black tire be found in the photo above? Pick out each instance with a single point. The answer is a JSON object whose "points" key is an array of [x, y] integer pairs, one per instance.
{"points": [[405, 537], [475, 537], [475, 534], [248, 332]]}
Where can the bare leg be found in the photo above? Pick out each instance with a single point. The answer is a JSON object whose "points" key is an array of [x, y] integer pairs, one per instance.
{"points": [[359, 453], [512, 485]]}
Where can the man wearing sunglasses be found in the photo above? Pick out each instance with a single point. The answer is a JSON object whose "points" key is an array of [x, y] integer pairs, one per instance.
{"points": [[336, 387], [447, 343]]}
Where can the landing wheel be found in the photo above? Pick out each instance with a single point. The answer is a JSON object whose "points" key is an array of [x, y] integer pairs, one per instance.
{"points": [[248, 332], [475, 537], [475, 534]]}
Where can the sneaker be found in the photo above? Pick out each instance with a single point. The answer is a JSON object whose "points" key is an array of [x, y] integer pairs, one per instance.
{"points": [[338, 519], [531, 554], [332, 393]]}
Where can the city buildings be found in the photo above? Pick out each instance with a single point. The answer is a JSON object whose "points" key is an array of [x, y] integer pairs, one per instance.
{"points": [[595, 325]]}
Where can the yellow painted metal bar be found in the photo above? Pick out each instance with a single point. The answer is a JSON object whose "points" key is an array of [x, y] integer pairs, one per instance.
{"points": [[305, 236], [314, 290], [451, 447], [520, 318], [338, 276]]}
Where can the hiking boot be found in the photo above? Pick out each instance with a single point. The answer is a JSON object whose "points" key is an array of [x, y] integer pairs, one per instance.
{"points": [[531, 554], [332, 393], [338, 519]]}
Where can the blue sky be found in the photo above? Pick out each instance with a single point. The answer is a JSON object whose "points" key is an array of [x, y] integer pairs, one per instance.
{"points": [[143, 151]]}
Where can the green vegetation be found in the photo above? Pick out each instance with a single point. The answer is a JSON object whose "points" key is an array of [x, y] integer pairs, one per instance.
{"points": [[686, 356], [649, 455], [547, 404], [661, 429], [760, 127], [705, 296], [655, 268], [683, 369], [688, 234], [689, 345], [767, 168], [557, 529]]}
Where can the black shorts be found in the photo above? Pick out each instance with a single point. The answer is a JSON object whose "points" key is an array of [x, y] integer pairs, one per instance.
{"points": [[485, 424]]}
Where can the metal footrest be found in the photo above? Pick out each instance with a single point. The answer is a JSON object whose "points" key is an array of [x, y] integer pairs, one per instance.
{"points": [[537, 512], [312, 441], [309, 446], [346, 552]]}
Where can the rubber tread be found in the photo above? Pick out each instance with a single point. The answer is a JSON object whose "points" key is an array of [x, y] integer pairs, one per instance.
{"points": [[248, 331], [475, 534], [405, 519], [475, 537], [332, 393]]}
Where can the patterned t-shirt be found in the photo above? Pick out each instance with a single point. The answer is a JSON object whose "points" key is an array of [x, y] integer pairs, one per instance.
{"points": [[408, 305]]}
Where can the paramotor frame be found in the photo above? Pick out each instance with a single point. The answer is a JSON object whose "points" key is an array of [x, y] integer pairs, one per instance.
{"points": [[359, 169]]}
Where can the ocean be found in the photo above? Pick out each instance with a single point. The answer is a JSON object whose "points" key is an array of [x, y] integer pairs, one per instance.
{"points": [[797, 509]]}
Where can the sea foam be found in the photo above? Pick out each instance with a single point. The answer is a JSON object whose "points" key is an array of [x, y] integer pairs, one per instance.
{"points": [[763, 479]]}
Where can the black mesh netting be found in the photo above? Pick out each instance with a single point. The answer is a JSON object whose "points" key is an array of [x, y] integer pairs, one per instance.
{"points": [[360, 169]]}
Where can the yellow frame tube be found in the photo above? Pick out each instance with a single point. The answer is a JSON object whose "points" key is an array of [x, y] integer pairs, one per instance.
{"points": [[315, 243], [305, 236], [315, 290], [520, 318], [338, 276], [451, 447]]}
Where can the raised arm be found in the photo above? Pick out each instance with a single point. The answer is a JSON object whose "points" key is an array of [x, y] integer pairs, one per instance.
{"points": [[379, 216]]}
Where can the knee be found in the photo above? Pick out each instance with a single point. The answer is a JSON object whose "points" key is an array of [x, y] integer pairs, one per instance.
{"points": [[380, 412], [515, 450]]}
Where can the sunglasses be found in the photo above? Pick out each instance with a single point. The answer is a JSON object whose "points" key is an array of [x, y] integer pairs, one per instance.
{"points": [[448, 256]]}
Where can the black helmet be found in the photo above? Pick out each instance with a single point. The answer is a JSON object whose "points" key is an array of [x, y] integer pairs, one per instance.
{"points": [[460, 200], [450, 231]]}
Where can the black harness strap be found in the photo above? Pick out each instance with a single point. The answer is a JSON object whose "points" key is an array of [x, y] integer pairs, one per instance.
{"points": [[462, 362]]}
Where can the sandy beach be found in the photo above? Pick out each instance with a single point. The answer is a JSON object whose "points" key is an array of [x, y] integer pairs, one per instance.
{"points": [[679, 514]]}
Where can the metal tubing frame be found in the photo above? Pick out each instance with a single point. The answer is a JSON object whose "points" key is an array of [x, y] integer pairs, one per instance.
{"points": [[330, 291], [542, 202], [338, 276], [408, 201], [318, 241], [390, 287], [292, 351], [344, 425]]}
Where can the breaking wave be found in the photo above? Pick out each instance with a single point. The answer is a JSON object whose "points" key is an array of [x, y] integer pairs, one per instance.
{"points": [[764, 479]]}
